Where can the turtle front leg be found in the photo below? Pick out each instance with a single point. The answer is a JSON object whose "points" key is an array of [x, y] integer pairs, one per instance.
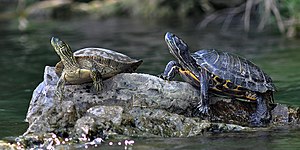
{"points": [[97, 80], [170, 71], [60, 86], [203, 105], [262, 116]]}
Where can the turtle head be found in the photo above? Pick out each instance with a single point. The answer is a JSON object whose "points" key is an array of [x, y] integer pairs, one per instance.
{"points": [[60, 47], [178, 48], [64, 52]]}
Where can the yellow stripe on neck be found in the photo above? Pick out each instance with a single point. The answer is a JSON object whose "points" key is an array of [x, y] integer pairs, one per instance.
{"points": [[184, 71]]}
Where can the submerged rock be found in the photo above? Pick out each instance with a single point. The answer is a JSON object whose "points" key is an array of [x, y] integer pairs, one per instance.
{"points": [[133, 104]]}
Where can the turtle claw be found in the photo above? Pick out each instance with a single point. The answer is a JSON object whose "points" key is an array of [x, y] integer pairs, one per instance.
{"points": [[59, 95], [97, 80], [98, 86], [203, 110], [164, 77], [255, 120]]}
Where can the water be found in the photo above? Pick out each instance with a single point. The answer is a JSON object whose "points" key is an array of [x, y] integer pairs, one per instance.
{"points": [[24, 54]]}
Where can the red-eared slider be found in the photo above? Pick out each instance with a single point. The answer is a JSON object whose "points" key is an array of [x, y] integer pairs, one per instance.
{"points": [[89, 65], [221, 73]]}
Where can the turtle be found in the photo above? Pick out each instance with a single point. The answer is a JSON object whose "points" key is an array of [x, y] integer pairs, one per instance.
{"points": [[89, 65], [220, 72]]}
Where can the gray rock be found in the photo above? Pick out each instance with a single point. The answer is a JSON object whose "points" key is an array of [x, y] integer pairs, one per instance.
{"points": [[47, 113], [133, 104], [107, 113]]}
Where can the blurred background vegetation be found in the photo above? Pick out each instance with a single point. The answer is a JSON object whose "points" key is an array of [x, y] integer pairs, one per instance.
{"points": [[281, 16]]}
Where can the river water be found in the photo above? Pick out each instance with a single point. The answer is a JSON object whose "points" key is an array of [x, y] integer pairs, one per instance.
{"points": [[24, 54]]}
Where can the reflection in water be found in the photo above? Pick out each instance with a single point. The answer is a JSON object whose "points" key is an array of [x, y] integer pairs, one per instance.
{"points": [[24, 55], [260, 140]]}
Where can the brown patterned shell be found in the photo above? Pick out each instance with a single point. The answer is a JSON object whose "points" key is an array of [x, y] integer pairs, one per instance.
{"points": [[238, 70], [107, 62]]}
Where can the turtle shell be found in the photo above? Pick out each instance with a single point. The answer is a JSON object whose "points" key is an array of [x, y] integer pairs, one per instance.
{"points": [[107, 62], [236, 69], [96, 53]]}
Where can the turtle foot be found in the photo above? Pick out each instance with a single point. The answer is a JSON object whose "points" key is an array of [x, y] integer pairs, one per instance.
{"points": [[203, 111], [257, 120], [98, 87], [165, 77], [59, 95]]}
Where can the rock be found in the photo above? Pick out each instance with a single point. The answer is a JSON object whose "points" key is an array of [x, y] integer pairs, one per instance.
{"points": [[133, 104], [8, 146], [149, 104], [107, 113], [46, 111], [280, 114]]}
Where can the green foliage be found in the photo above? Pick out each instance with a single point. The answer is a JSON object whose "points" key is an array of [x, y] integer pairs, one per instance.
{"points": [[154, 8], [283, 13], [293, 7], [290, 8], [291, 11]]}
